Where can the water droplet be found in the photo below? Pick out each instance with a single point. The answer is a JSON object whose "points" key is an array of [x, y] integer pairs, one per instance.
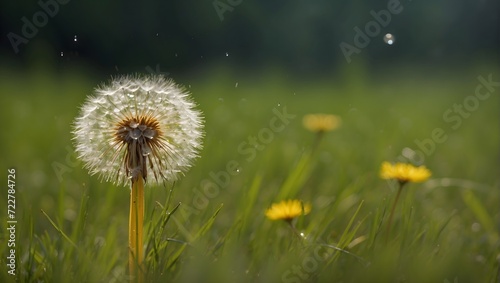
{"points": [[389, 38], [146, 150], [176, 55], [156, 34], [149, 133], [62, 54], [75, 39], [236, 85], [133, 124], [279, 104], [238, 170], [227, 54], [135, 134]]}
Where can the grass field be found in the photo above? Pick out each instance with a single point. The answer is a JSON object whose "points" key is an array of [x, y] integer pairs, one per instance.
{"points": [[211, 226]]}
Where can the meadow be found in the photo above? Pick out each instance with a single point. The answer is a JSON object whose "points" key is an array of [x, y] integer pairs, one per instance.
{"points": [[211, 225]]}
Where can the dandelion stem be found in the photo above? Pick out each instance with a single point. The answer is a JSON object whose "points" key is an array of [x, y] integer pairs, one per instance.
{"points": [[294, 230], [135, 232], [401, 184], [317, 141]]}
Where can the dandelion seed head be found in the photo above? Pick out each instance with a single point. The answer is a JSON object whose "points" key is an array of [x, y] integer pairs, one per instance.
{"points": [[138, 126]]}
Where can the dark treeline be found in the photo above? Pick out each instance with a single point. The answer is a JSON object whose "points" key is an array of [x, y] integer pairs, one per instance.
{"points": [[300, 35]]}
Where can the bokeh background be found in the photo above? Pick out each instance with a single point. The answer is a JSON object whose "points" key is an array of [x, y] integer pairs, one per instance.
{"points": [[240, 60], [301, 37]]}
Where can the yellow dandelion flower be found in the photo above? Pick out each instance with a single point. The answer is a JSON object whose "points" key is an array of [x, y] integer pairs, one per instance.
{"points": [[287, 210], [404, 172], [321, 122]]}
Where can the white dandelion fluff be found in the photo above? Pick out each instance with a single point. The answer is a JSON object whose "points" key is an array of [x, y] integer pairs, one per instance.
{"points": [[138, 126]]}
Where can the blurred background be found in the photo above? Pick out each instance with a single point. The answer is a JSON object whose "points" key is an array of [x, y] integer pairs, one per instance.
{"points": [[391, 69], [302, 37], [239, 54]]}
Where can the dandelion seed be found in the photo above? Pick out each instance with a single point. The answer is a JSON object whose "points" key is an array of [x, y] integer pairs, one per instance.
{"points": [[287, 210]]}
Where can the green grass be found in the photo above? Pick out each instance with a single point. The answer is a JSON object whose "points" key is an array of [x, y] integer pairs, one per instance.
{"points": [[74, 228]]}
